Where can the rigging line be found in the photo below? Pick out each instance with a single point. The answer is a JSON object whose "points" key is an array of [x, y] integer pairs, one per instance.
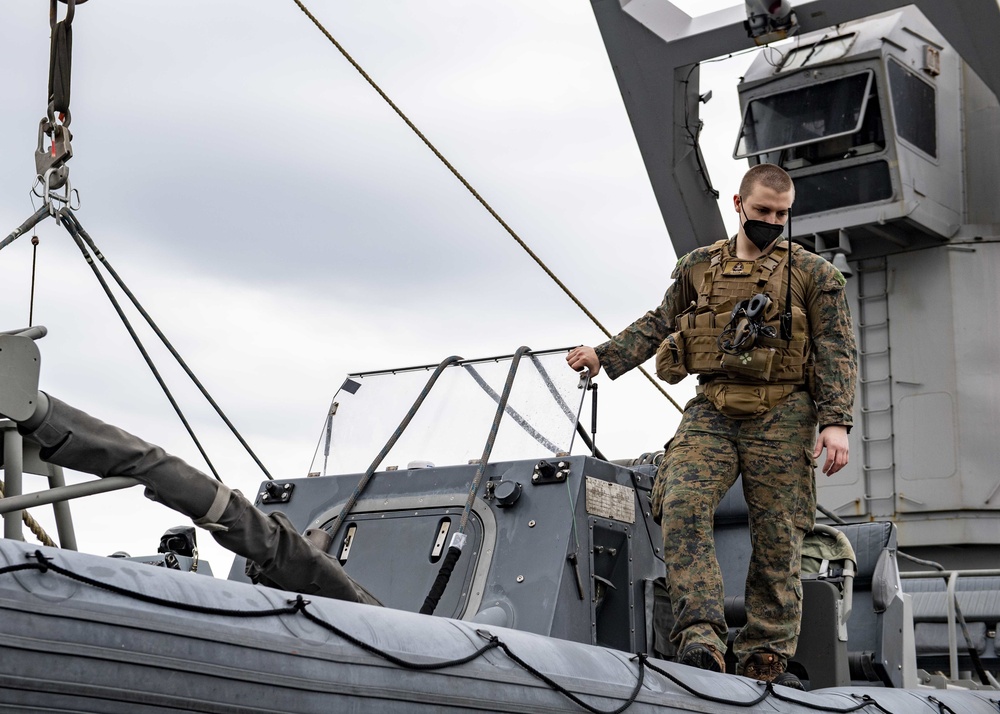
{"points": [[518, 419], [475, 193], [363, 483], [553, 389], [66, 217], [33, 220], [458, 538], [31, 299], [484, 460], [166, 343]]}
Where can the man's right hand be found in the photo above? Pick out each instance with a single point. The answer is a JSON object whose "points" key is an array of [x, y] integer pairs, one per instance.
{"points": [[580, 357]]}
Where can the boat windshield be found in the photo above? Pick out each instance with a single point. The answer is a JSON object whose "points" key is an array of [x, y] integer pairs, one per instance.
{"points": [[454, 421]]}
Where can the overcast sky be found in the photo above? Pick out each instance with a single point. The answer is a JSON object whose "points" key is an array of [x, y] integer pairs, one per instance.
{"points": [[285, 228]]}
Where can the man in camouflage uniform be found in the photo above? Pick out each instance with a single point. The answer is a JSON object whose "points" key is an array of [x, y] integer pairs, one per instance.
{"points": [[765, 383]]}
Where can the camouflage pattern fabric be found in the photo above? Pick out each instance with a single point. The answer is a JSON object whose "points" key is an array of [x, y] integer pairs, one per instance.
{"points": [[817, 288], [708, 453], [773, 451]]}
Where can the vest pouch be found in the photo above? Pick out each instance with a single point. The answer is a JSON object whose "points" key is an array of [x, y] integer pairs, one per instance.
{"points": [[670, 359], [742, 401], [754, 363]]}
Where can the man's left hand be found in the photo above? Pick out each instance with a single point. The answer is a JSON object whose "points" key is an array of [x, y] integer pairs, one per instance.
{"points": [[834, 440]]}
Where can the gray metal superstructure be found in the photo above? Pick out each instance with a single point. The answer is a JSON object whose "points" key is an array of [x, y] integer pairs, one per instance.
{"points": [[888, 126]]}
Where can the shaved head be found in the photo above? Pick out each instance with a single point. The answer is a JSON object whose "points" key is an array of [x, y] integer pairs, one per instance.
{"points": [[767, 175]]}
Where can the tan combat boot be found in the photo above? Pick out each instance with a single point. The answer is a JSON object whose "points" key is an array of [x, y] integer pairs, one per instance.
{"points": [[769, 667], [703, 656]]}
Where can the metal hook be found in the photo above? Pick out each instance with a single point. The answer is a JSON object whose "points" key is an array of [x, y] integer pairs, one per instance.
{"points": [[50, 196]]}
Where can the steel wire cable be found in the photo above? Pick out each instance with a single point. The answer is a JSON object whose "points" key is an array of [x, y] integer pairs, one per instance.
{"points": [[475, 193], [66, 217], [166, 343]]}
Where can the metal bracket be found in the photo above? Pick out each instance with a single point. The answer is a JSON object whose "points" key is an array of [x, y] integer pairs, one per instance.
{"points": [[275, 492], [544, 472], [55, 156]]}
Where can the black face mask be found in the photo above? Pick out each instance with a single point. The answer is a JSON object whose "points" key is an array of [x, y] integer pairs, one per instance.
{"points": [[760, 233]]}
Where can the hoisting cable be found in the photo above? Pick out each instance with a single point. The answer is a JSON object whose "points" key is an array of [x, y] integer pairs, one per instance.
{"points": [[363, 483], [34, 219], [459, 538], [68, 220], [475, 193], [163, 338]]}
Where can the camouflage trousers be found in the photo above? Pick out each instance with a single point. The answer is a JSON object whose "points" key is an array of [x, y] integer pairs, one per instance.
{"points": [[703, 460]]}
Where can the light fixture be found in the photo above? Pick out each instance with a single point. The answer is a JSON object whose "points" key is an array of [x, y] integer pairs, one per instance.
{"points": [[841, 264]]}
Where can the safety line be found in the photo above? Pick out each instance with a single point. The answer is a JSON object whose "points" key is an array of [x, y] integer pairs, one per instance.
{"points": [[474, 192]]}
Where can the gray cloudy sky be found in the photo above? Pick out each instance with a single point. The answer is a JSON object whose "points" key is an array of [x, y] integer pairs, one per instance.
{"points": [[285, 228]]}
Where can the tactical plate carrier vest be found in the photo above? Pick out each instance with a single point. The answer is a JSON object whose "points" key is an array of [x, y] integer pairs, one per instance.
{"points": [[694, 347]]}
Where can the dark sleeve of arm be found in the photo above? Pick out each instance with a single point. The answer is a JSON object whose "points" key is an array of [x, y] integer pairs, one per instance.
{"points": [[834, 350], [639, 341]]}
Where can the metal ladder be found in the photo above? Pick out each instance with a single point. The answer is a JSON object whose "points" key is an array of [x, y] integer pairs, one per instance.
{"points": [[875, 383]]}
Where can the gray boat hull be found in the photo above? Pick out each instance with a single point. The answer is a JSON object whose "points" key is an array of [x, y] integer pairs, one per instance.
{"points": [[70, 646]]}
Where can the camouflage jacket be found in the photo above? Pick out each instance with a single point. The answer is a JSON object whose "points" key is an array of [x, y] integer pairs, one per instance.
{"points": [[817, 288]]}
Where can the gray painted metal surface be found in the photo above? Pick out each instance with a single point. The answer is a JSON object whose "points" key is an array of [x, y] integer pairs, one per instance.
{"points": [[68, 644], [908, 199]]}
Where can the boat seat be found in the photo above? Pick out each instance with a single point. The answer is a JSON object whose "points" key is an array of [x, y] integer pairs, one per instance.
{"points": [[979, 601], [836, 646], [862, 646]]}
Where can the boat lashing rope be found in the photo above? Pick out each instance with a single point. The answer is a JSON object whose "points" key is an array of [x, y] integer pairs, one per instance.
{"points": [[301, 606], [496, 216], [33, 525], [459, 538]]}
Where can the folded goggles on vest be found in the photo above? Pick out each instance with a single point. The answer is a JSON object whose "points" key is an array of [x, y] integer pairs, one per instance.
{"points": [[745, 324]]}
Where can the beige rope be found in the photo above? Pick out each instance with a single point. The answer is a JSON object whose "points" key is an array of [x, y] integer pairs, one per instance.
{"points": [[473, 191], [33, 525]]}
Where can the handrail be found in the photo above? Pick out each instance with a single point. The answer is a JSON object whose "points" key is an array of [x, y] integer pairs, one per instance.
{"points": [[66, 493]]}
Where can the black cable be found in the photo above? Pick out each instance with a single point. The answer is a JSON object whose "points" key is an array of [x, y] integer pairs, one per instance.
{"points": [[708, 697], [589, 443], [832, 516], [496, 216], [441, 581], [866, 702], [420, 666], [363, 483], [45, 564], [34, 261], [166, 343], [709, 188], [299, 605], [458, 539], [786, 316], [69, 222], [572, 697], [33, 220]]}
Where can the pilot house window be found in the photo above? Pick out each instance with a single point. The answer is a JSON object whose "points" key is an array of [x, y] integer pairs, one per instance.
{"points": [[914, 108], [807, 115]]}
